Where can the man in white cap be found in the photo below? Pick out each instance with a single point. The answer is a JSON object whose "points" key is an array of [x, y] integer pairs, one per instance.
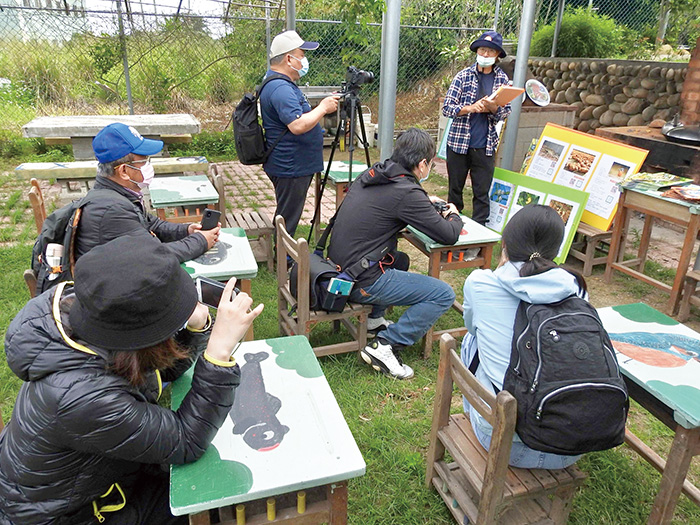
{"points": [[292, 128]]}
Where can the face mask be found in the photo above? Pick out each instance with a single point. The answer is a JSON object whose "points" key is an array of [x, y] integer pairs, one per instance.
{"points": [[148, 174], [430, 168], [485, 61], [304, 66]]}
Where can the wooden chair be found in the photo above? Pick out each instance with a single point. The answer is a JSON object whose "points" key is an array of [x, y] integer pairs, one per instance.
{"points": [[478, 486], [218, 182], [30, 280], [36, 198], [689, 296], [295, 315]]}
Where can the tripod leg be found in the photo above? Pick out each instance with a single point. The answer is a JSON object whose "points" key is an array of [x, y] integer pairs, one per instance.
{"points": [[364, 137]]}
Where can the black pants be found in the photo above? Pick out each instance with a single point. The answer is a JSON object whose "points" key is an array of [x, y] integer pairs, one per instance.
{"points": [[290, 193], [147, 503], [480, 167]]}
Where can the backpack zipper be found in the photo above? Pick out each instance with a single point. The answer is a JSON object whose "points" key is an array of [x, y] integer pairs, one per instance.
{"points": [[536, 379], [517, 343], [540, 407]]}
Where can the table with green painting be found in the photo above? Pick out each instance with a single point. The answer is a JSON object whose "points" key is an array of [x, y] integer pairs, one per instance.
{"points": [[659, 359], [285, 434], [473, 249], [231, 256], [186, 192]]}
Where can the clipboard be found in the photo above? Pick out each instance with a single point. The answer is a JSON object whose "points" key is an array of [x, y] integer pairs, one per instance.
{"points": [[504, 94]]}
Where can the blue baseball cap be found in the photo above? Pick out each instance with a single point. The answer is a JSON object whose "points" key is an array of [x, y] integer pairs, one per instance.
{"points": [[117, 140]]}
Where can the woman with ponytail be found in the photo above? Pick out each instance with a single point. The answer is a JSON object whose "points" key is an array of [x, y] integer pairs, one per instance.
{"points": [[526, 272]]}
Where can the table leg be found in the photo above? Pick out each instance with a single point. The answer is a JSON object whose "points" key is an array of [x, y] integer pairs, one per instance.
{"points": [[340, 188], [621, 223], [487, 253], [683, 262], [245, 286], [201, 518], [433, 271], [338, 498], [684, 446], [644, 242]]}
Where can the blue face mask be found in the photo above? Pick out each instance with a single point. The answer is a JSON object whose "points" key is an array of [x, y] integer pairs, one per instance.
{"points": [[304, 66]]}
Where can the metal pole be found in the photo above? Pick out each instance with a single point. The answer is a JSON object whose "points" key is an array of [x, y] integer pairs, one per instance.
{"points": [[387, 82], [267, 34], [495, 16], [557, 27], [291, 12], [125, 59], [510, 137]]}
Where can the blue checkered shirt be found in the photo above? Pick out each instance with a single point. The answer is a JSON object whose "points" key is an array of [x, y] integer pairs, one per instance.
{"points": [[464, 91]]}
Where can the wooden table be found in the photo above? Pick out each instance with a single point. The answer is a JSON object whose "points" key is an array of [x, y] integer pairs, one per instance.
{"points": [[443, 257], [81, 129], [307, 445], [231, 256], [652, 205], [664, 155], [186, 192], [659, 360]]}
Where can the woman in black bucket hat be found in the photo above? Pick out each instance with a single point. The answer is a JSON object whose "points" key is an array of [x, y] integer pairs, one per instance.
{"points": [[87, 439]]}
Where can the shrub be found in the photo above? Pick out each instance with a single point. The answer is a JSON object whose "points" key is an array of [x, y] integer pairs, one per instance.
{"points": [[583, 34]]}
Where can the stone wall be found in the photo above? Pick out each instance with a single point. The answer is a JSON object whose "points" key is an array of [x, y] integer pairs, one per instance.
{"points": [[690, 98], [613, 92]]}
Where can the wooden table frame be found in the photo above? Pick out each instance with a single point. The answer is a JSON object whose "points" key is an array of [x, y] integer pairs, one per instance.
{"points": [[652, 207], [686, 444], [437, 265]]}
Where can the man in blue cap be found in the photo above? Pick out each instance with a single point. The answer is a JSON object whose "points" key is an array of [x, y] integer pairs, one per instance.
{"points": [[472, 139], [115, 207]]}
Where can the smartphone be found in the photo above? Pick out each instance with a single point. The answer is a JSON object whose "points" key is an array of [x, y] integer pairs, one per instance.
{"points": [[209, 291], [210, 219]]}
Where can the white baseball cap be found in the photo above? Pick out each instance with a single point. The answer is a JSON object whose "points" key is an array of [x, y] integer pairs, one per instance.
{"points": [[289, 41]]}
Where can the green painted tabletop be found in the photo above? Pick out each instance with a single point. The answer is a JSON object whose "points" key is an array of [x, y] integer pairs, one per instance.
{"points": [[182, 191], [472, 233], [231, 256]]}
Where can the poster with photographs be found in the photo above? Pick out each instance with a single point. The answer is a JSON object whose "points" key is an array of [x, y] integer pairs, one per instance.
{"points": [[587, 163], [547, 158], [510, 192]]}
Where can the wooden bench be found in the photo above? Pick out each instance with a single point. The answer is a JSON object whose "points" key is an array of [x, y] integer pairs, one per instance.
{"points": [[178, 138], [259, 230], [478, 486], [77, 177], [584, 247]]}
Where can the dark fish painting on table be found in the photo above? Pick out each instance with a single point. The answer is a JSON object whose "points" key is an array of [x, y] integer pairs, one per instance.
{"points": [[254, 411]]}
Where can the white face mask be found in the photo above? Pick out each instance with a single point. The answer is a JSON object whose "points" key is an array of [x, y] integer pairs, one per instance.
{"points": [[485, 61], [423, 179], [304, 66], [148, 174]]}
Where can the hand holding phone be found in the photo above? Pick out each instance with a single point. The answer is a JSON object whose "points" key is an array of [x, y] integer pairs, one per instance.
{"points": [[209, 291], [210, 219]]}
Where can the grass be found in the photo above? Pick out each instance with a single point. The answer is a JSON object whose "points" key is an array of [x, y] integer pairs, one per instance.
{"points": [[391, 419]]}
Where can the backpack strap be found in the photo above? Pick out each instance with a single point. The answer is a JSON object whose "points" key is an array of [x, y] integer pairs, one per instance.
{"points": [[258, 90]]}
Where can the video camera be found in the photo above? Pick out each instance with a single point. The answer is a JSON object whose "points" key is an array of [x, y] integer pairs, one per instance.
{"points": [[354, 78]]}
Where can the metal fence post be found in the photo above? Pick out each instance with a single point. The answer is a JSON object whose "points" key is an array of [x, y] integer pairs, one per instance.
{"points": [[125, 58], [557, 27], [291, 15], [510, 136], [387, 82]]}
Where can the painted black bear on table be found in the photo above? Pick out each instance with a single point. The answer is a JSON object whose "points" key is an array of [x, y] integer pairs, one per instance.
{"points": [[254, 409]]}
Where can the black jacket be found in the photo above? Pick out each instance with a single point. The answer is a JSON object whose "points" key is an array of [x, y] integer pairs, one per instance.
{"points": [[380, 203], [106, 219], [77, 428]]}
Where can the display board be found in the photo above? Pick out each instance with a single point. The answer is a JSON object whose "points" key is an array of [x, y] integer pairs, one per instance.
{"points": [[587, 163], [511, 191]]}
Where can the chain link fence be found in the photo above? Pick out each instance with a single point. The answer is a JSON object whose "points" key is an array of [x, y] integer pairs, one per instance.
{"points": [[67, 56]]}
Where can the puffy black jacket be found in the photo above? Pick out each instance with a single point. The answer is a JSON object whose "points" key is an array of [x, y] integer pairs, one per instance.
{"points": [[380, 203], [77, 428], [106, 219]]}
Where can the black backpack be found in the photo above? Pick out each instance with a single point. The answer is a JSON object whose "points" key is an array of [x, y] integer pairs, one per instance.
{"points": [[564, 374], [248, 134], [61, 227]]}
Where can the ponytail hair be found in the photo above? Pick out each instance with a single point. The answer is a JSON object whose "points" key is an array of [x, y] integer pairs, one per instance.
{"points": [[533, 236]]}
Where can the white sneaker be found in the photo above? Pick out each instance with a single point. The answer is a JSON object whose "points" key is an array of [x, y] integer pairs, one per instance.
{"points": [[377, 325], [381, 357]]}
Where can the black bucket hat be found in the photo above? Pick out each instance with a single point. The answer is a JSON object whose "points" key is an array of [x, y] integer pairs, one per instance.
{"points": [[131, 293], [492, 39]]}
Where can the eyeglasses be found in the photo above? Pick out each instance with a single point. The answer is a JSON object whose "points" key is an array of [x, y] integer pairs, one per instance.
{"points": [[143, 163]]}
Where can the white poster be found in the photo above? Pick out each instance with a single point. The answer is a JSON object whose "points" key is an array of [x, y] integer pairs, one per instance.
{"points": [[606, 179], [577, 168], [545, 162], [500, 197]]}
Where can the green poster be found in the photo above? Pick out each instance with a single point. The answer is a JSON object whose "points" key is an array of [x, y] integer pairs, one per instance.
{"points": [[510, 191]]}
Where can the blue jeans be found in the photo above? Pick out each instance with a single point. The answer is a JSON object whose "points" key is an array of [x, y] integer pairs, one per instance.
{"points": [[427, 297]]}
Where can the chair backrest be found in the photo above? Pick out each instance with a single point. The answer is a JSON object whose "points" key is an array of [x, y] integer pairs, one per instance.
{"points": [[36, 198], [298, 250], [499, 410], [218, 182], [30, 280]]}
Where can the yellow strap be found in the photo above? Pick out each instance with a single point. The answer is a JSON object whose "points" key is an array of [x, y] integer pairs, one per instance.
{"points": [[59, 324], [97, 511], [160, 383]]}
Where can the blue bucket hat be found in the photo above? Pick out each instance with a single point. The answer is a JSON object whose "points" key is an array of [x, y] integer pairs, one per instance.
{"points": [[117, 140], [491, 39]]}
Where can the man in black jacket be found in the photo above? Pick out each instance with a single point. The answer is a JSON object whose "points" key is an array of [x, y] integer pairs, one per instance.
{"points": [[380, 203], [124, 167]]}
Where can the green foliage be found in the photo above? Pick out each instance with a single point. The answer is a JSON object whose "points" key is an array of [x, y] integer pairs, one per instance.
{"points": [[583, 34], [214, 145], [105, 54]]}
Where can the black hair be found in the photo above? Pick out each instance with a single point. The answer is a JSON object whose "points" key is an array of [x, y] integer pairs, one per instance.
{"points": [[533, 236], [411, 147]]}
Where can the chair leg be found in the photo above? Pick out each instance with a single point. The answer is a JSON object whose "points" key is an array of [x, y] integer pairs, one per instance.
{"points": [[561, 505], [267, 239], [688, 291]]}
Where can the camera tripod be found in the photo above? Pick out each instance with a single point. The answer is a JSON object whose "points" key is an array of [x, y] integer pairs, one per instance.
{"points": [[348, 113]]}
